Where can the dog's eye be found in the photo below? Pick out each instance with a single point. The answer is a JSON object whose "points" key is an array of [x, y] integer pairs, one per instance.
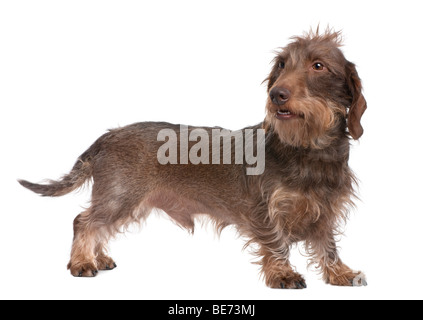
{"points": [[281, 65], [318, 66]]}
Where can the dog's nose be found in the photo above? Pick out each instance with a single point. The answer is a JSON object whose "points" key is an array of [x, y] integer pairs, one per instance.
{"points": [[279, 96]]}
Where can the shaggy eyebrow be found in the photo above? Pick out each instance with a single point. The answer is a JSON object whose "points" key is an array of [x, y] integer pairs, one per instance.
{"points": [[280, 57]]}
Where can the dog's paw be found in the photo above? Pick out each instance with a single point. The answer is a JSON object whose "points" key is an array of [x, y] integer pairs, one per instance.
{"points": [[105, 263], [348, 279], [83, 269], [289, 281], [293, 285], [359, 280]]}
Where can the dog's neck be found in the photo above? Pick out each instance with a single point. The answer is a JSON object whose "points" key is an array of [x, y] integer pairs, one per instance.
{"points": [[337, 151], [327, 167]]}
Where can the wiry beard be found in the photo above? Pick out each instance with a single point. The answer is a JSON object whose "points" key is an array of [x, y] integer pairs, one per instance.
{"points": [[312, 128]]}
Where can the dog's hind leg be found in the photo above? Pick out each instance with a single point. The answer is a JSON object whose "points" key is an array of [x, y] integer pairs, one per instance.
{"points": [[92, 230], [104, 262], [87, 236]]}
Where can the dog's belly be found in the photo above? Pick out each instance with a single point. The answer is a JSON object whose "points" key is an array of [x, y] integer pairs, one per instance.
{"points": [[183, 209]]}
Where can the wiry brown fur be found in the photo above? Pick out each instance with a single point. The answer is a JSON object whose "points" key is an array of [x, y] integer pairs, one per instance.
{"points": [[303, 195]]}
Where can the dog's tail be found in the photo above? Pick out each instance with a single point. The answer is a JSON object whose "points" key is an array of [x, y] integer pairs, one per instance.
{"points": [[80, 173]]}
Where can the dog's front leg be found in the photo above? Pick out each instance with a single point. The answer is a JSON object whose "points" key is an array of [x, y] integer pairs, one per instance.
{"points": [[322, 246], [276, 268], [278, 273]]}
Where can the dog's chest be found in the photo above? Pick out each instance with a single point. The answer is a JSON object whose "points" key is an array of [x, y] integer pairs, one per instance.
{"points": [[305, 191], [295, 212]]}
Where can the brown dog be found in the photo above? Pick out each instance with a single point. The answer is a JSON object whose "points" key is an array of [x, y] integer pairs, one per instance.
{"points": [[302, 192]]}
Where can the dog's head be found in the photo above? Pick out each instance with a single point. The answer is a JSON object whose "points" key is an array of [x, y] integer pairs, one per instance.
{"points": [[314, 93]]}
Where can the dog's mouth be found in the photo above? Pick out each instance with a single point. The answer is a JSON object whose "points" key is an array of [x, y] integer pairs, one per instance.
{"points": [[285, 114]]}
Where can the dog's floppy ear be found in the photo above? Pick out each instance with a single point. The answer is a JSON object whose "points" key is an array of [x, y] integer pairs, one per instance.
{"points": [[358, 105]]}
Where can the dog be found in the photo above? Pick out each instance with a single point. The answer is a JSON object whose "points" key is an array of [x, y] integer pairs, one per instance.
{"points": [[313, 110]]}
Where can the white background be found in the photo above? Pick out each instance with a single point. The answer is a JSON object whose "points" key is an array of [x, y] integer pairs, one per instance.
{"points": [[69, 70]]}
